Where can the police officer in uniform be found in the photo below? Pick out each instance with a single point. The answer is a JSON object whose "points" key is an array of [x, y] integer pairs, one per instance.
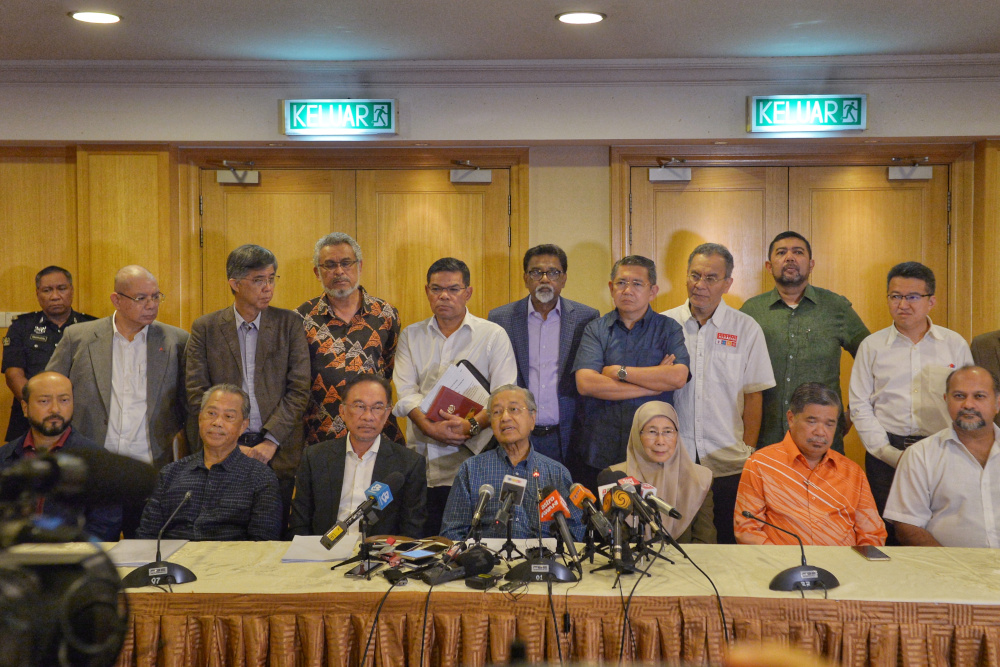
{"points": [[32, 338]]}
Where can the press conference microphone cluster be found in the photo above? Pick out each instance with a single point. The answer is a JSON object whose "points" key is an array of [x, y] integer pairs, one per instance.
{"points": [[580, 496], [800, 577], [377, 496], [553, 508]]}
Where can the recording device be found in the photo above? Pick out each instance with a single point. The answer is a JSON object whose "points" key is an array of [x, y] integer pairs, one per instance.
{"points": [[378, 495], [584, 499], [648, 492], [804, 577], [511, 495], [160, 571], [486, 492], [868, 552]]}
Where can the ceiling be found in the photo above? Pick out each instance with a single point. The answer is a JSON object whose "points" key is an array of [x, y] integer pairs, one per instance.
{"points": [[477, 30]]}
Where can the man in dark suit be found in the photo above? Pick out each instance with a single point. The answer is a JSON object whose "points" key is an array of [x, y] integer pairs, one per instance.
{"points": [[334, 474], [127, 372], [986, 353], [263, 350], [545, 330]]}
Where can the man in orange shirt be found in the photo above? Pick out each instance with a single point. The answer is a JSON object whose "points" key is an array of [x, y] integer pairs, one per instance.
{"points": [[802, 486]]}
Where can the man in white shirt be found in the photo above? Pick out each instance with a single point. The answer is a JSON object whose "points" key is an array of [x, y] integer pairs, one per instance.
{"points": [[127, 372], [899, 376], [947, 487], [720, 407], [426, 350]]}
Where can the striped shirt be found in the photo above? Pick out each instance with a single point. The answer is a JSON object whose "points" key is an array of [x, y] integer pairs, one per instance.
{"points": [[829, 505]]}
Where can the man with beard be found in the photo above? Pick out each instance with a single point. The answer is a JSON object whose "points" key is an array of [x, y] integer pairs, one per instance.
{"points": [[350, 333], [47, 401], [945, 492], [545, 330], [806, 328]]}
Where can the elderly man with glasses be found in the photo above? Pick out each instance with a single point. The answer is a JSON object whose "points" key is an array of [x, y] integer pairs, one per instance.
{"points": [[127, 372]]}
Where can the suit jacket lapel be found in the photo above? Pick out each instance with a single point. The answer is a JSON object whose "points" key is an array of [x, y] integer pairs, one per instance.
{"points": [[157, 355], [227, 327], [520, 330], [267, 338], [333, 473], [566, 326], [101, 358]]}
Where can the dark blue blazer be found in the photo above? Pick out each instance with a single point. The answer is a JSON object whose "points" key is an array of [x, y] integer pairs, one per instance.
{"points": [[573, 319], [102, 521]]}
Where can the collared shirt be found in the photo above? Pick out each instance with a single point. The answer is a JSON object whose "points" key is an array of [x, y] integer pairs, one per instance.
{"points": [[805, 345], [31, 340], [424, 354], [608, 342], [898, 387], [728, 359], [543, 362], [490, 468], [357, 479], [829, 505], [941, 487], [341, 350], [31, 452], [236, 499], [127, 432], [247, 333]]}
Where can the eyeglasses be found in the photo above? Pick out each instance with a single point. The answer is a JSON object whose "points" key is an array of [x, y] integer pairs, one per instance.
{"points": [[896, 299], [437, 290], [212, 414], [695, 278], [622, 285], [654, 434], [331, 265], [260, 281], [143, 299], [512, 410], [551, 274], [358, 409]]}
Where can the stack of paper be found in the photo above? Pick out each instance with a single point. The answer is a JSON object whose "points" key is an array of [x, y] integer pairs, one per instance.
{"points": [[457, 392]]}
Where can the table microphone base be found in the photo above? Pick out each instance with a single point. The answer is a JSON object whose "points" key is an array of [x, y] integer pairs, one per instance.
{"points": [[803, 577], [158, 573], [540, 569]]}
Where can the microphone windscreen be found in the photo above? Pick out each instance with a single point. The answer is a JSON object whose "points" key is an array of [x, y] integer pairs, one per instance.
{"points": [[110, 478], [476, 561], [395, 481], [609, 476], [547, 490]]}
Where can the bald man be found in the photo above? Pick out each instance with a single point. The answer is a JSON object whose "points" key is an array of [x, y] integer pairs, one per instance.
{"points": [[47, 403], [128, 375]]}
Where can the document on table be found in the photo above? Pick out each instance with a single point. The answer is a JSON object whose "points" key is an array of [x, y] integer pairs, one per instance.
{"points": [[133, 553], [307, 549]]}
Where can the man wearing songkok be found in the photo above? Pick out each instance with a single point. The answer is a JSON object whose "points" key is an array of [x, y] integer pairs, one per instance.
{"points": [[947, 487], [232, 496], [657, 456], [803, 486], [512, 416], [335, 474], [720, 407]]}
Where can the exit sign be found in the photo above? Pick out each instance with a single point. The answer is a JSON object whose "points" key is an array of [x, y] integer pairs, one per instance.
{"points": [[338, 117], [807, 113]]}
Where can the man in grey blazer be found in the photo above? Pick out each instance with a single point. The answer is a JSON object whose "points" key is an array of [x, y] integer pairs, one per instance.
{"points": [[127, 374], [334, 474], [261, 349], [545, 331]]}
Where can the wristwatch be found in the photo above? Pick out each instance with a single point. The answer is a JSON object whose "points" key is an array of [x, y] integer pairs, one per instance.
{"points": [[474, 427], [622, 374]]}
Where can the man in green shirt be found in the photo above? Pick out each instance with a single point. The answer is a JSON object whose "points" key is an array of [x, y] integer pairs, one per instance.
{"points": [[805, 328]]}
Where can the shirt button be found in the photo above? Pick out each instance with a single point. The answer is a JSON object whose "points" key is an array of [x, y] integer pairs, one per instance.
{"points": [[788, 379]]}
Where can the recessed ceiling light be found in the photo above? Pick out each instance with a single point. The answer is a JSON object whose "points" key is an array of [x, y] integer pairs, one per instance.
{"points": [[580, 18], [95, 17]]}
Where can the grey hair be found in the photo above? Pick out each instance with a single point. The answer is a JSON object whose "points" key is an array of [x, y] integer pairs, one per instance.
{"points": [[248, 257], [227, 389], [710, 249], [336, 238], [814, 393], [529, 398]]}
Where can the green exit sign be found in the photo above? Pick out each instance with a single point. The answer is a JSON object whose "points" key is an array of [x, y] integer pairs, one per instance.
{"points": [[338, 117], [807, 113]]}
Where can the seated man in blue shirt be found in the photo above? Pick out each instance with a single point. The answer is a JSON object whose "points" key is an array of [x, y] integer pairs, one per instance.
{"points": [[233, 497], [512, 416]]}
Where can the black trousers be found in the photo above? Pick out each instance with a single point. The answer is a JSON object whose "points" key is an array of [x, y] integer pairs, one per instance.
{"points": [[437, 498], [724, 499]]}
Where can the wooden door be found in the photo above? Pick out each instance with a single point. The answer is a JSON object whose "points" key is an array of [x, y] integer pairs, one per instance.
{"points": [[741, 208], [407, 219]]}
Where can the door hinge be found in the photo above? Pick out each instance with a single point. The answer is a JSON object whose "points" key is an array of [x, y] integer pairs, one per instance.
{"points": [[201, 205], [949, 234], [508, 206], [508, 236], [201, 237], [630, 237], [630, 202], [949, 201]]}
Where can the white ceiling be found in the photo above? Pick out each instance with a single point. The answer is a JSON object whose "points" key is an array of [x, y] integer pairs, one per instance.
{"points": [[477, 30]]}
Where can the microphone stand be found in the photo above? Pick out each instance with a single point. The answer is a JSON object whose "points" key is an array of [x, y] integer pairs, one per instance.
{"points": [[801, 577], [364, 556], [508, 547], [620, 564]]}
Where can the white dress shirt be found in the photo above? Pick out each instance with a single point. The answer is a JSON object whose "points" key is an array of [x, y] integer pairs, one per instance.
{"points": [[941, 487], [423, 355], [898, 387], [127, 432], [357, 479], [728, 359]]}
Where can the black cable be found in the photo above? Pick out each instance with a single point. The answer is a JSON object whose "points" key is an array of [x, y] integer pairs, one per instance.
{"points": [[378, 610], [423, 628], [555, 625], [718, 598], [628, 603]]}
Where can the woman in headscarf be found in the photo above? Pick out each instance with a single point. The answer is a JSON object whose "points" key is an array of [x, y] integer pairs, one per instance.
{"points": [[657, 456]]}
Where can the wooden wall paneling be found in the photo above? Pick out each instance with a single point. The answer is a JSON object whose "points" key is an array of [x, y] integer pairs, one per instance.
{"points": [[986, 239], [961, 277], [189, 228], [519, 241]]}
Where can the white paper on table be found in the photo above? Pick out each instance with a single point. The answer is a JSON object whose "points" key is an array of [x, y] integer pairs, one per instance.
{"points": [[307, 549], [133, 553]]}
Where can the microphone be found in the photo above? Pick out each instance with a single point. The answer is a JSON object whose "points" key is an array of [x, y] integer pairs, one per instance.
{"points": [[486, 492], [639, 506], [618, 503], [511, 495], [160, 571], [580, 496], [648, 492], [377, 495], [801, 577], [553, 507]]}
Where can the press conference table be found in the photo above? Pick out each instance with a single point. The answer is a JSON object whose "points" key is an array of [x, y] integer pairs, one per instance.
{"points": [[925, 606]]}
